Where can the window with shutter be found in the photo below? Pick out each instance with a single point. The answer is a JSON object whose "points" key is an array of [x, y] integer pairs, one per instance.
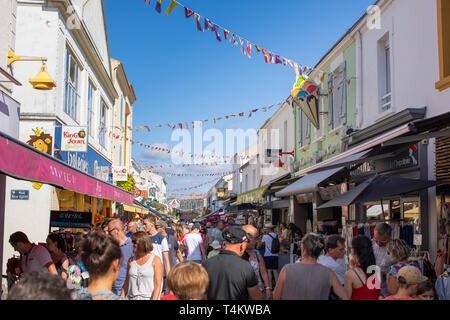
{"points": [[337, 97]]}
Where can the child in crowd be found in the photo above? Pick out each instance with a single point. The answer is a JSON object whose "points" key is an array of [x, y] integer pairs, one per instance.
{"points": [[425, 291], [188, 280], [409, 277]]}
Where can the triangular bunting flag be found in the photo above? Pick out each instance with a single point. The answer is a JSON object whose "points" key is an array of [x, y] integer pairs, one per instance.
{"points": [[208, 25], [258, 49], [266, 56], [172, 5], [148, 129], [158, 5], [249, 50], [225, 33], [233, 40], [188, 12], [197, 20], [216, 30], [242, 45]]}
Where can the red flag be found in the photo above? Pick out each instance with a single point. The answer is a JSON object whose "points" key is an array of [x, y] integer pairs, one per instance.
{"points": [[241, 114], [146, 127], [225, 33], [266, 56], [249, 49]]}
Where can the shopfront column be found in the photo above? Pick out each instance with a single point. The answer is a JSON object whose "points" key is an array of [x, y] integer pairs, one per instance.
{"points": [[315, 210]]}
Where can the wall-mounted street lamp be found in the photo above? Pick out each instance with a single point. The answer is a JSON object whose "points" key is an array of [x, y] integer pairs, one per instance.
{"points": [[42, 81], [278, 163]]}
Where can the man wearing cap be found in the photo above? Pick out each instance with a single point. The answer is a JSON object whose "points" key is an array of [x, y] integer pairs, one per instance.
{"points": [[231, 277], [408, 278], [194, 244], [270, 259], [216, 249]]}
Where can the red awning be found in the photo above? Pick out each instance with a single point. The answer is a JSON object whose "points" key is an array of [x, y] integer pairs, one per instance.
{"points": [[23, 162]]}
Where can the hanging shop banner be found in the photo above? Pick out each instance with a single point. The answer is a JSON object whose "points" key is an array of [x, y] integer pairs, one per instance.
{"points": [[120, 173], [90, 162], [70, 219], [74, 139]]}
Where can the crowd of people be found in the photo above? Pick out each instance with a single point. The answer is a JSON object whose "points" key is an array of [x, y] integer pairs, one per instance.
{"points": [[153, 259]]}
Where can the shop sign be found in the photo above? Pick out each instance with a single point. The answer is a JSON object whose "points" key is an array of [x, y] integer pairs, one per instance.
{"points": [[142, 193], [406, 159], [20, 194], [74, 139], [120, 173], [89, 162], [70, 219]]}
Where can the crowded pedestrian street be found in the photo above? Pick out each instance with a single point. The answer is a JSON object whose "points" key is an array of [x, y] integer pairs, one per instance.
{"points": [[230, 158]]}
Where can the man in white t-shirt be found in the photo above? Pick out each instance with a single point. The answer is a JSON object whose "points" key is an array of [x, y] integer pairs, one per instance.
{"points": [[193, 241], [270, 259], [33, 257]]}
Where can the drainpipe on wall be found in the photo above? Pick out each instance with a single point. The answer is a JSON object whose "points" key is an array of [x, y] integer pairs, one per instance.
{"points": [[359, 81]]}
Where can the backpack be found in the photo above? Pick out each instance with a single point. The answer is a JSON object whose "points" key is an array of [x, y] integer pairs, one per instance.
{"points": [[275, 247]]}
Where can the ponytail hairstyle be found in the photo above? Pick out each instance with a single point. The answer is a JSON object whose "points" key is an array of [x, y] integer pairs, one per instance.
{"points": [[60, 242], [313, 244], [98, 252], [362, 246]]}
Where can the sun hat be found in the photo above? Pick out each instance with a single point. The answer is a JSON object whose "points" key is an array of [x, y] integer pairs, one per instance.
{"points": [[216, 244], [410, 275]]}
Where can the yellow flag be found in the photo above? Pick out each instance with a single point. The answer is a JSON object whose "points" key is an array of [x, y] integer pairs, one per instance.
{"points": [[172, 5]]}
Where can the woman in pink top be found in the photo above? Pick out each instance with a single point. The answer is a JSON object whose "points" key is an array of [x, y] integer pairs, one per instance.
{"points": [[408, 278]]}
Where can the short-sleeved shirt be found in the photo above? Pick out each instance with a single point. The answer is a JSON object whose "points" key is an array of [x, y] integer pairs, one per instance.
{"points": [[332, 264], [218, 235], [230, 277], [173, 247], [267, 239], [127, 253], [160, 245], [36, 259], [193, 241]]}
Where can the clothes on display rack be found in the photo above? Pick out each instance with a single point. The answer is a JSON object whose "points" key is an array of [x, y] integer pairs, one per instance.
{"points": [[442, 286]]}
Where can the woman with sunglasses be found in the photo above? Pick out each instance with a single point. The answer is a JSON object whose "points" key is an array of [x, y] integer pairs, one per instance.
{"points": [[145, 271]]}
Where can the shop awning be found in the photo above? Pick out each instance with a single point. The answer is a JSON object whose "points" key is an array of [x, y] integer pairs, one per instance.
{"points": [[159, 215], [24, 162], [311, 182], [377, 188], [137, 209], [365, 147], [255, 195]]}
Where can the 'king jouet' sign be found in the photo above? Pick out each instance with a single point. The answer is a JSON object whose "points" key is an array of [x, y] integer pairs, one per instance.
{"points": [[74, 139]]}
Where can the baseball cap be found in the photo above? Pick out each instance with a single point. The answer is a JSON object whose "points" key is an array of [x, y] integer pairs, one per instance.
{"points": [[197, 226], [410, 275], [235, 235], [161, 223], [215, 244]]}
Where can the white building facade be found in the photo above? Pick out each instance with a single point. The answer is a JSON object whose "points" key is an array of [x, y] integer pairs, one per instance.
{"points": [[74, 41]]}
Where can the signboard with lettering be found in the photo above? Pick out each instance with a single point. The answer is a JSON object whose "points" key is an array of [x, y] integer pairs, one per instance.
{"points": [[20, 194], [90, 162], [120, 173], [70, 219], [74, 139], [406, 159]]}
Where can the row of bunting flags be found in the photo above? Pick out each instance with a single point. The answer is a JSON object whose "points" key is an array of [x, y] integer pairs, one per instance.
{"points": [[199, 123], [182, 153], [245, 45], [193, 187], [221, 174]]}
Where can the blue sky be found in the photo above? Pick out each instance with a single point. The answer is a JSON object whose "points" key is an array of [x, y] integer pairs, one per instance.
{"points": [[180, 74]]}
